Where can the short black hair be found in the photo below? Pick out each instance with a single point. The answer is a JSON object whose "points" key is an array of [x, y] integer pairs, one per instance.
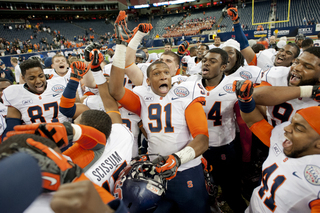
{"points": [[143, 48], [216, 37], [28, 64], [307, 43], [223, 54], [150, 68], [10, 145], [98, 120], [207, 47], [167, 43], [314, 51], [258, 47], [295, 46], [191, 49], [5, 79]]}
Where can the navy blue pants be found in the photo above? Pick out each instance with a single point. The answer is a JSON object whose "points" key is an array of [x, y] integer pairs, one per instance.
{"points": [[186, 193]]}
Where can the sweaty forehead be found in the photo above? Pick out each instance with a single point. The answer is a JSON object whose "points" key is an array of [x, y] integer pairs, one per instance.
{"points": [[309, 58]]}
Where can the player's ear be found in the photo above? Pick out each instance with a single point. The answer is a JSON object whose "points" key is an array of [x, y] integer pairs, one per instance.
{"points": [[317, 144], [148, 81], [223, 67], [22, 76]]}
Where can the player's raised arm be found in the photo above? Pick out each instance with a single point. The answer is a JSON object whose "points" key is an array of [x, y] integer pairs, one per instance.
{"points": [[67, 105], [249, 113], [274, 95], [131, 69], [246, 50]]}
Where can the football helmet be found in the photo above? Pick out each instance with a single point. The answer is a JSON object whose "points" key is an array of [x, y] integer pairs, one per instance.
{"points": [[141, 56], [140, 186]]}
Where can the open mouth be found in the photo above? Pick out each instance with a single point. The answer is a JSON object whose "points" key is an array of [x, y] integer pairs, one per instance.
{"points": [[164, 88], [295, 79], [287, 144], [205, 70], [40, 88], [61, 67], [280, 59]]}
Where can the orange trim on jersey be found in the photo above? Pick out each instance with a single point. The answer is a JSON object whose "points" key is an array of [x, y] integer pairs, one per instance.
{"points": [[131, 102], [196, 118], [209, 88], [178, 72], [315, 206], [67, 102], [88, 93], [104, 194], [80, 156], [262, 130], [254, 61], [263, 84], [91, 137]]}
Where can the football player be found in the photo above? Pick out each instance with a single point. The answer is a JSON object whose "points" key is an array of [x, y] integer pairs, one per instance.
{"points": [[285, 92], [36, 101], [290, 176], [170, 115], [265, 59]]}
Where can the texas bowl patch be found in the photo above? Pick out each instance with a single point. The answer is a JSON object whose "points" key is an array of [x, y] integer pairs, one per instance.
{"points": [[245, 75], [312, 174], [228, 88], [58, 88], [181, 92]]}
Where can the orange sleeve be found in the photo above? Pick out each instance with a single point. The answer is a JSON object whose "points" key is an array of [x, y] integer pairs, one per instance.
{"points": [[262, 130], [263, 84], [196, 118], [91, 138], [104, 194], [254, 61], [67, 102], [80, 156], [88, 93], [131, 102], [315, 206]]}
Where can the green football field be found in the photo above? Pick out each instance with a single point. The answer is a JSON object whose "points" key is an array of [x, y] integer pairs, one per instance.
{"points": [[161, 50]]}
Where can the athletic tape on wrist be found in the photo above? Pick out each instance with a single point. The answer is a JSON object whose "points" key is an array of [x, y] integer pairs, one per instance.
{"points": [[99, 78], [186, 154], [306, 91], [135, 41], [77, 132], [119, 58]]}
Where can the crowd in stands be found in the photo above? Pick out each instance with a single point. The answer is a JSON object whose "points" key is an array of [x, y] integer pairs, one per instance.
{"points": [[189, 27]]}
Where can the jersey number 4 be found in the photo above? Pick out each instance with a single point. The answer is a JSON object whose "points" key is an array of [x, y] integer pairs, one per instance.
{"points": [[277, 182], [215, 113], [36, 112]]}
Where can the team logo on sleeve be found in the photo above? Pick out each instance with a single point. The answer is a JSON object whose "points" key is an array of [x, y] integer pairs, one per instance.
{"points": [[246, 75], [276, 149], [228, 88], [312, 174], [58, 88], [181, 92]]}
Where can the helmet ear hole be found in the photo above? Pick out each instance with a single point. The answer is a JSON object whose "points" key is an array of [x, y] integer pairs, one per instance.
{"points": [[129, 205]]}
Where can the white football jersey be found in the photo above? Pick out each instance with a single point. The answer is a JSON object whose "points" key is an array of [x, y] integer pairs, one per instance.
{"points": [[316, 43], [152, 57], [193, 67], [55, 75], [277, 76], [219, 111], [288, 184], [116, 155], [265, 59], [252, 73], [3, 114], [34, 108], [164, 119]]}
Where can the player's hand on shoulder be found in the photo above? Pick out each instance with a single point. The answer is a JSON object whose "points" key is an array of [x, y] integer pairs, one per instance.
{"points": [[243, 90], [167, 166]]}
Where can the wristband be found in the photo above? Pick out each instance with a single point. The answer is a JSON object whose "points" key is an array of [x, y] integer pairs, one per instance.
{"points": [[77, 132], [135, 41], [119, 58], [99, 78], [186, 154], [247, 107], [306, 91]]}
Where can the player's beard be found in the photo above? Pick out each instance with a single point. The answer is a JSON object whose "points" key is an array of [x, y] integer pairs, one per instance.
{"points": [[312, 81], [297, 153]]}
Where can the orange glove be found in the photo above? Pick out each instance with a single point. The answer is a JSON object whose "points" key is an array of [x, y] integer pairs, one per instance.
{"points": [[233, 13]]}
